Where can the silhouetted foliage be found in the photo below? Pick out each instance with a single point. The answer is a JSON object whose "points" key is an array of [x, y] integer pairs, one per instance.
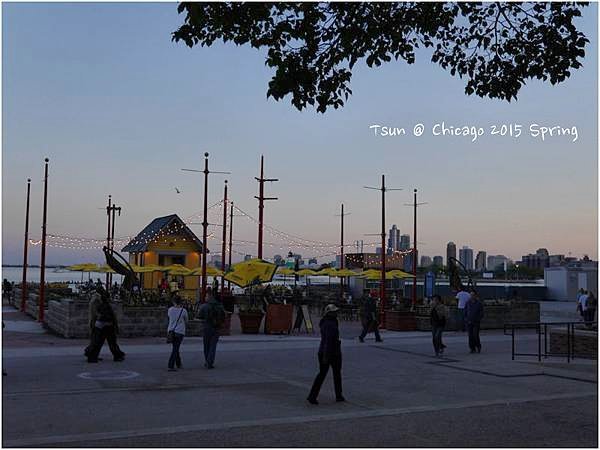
{"points": [[313, 47]]}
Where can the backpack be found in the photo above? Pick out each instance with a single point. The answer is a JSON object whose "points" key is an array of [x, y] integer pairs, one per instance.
{"points": [[105, 312], [216, 315]]}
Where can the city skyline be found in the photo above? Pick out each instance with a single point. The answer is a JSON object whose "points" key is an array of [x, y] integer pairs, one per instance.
{"points": [[114, 117]]}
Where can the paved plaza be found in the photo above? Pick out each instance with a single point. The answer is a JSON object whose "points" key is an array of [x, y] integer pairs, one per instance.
{"points": [[398, 393]]}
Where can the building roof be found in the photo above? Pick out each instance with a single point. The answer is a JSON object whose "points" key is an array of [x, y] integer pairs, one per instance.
{"points": [[154, 228]]}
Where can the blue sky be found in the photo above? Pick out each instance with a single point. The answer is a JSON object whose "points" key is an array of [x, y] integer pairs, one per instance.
{"points": [[119, 109]]}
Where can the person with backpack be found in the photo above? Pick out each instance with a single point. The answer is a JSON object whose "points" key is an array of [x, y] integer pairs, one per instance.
{"points": [[438, 322], [330, 354], [590, 309], [178, 318], [369, 319], [212, 315], [104, 326]]}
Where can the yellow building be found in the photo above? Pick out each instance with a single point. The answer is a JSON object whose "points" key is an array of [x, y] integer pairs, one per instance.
{"points": [[166, 240]]}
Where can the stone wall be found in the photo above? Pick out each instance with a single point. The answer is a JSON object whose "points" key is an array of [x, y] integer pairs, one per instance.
{"points": [[585, 343], [70, 318], [495, 315]]}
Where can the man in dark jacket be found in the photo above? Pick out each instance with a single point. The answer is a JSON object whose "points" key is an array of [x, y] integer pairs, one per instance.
{"points": [[369, 319], [212, 315], [330, 354], [103, 326], [473, 316]]}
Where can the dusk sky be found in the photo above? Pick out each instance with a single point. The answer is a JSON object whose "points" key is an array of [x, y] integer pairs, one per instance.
{"points": [[119, 109]]}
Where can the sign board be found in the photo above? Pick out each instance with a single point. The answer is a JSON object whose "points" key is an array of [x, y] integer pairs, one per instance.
{"points": [[303, 316], [429, 284]]}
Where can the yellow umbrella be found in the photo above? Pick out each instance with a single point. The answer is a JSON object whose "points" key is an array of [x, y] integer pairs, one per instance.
{"points": [[306, 272], [254, 271], [329, 271], [210, 271], [397, 273], [85, 267], [178, 269], [285, 271], [373, 274], [104, 269], [345, 273]]}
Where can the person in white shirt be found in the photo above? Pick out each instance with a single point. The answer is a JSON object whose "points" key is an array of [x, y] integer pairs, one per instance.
{"points": [[463, 297], [178, 318], [582, 301]]}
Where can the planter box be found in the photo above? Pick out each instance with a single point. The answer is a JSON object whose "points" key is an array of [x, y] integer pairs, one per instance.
{"points": [[225, 330], [400, 321], [279, 319], [250, 322]]}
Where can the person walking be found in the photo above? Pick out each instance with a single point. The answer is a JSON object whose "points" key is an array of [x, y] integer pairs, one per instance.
{"points": [[104, 326], [212, 315], [438, 322], [588, 308], [330, 354], [581, 299], [178, 318], [369, 319], [473, 316], [463, 297]]}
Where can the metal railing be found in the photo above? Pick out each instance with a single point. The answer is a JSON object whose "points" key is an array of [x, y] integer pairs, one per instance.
{"points": [[542, 328]]}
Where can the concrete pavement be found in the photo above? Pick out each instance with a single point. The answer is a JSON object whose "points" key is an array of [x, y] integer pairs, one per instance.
{"points": [[399, 394]]}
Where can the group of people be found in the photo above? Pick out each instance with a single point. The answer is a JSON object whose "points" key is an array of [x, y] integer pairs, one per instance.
{"points": [[104, 327], [586, 306]]}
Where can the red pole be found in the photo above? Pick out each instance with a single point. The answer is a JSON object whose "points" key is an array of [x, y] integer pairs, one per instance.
{"points": [[25, 248], [415, 255], [204, 229], [230, 240], [43, 256], [108, 237], [342, 252], [261, 191], [224, 247], [382, 295]]}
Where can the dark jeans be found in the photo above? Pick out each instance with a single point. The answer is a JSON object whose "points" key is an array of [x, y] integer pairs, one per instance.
{"points": [[588, 316], [175, 358], [109, 334], [336, 366], [474, 342], [461, 320], [436, 333], [368, 325], [211, 337]]}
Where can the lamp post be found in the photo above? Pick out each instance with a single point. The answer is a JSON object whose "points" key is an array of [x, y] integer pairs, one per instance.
{"points": [[25, 248], [206, 172], [261, 199], [224, 245], [414, 252], [43, 252], [341, 215], [383, 190]]}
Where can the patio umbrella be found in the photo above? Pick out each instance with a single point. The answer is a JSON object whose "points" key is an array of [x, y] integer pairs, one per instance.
{"points": [[306, 272], [397, 273], [85, 267], [346, 273], [254, 271], [210, 271], [178, 269], [104, 269], [373, 274]]}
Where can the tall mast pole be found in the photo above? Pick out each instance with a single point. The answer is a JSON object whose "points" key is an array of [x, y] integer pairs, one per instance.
{"points": [[224, 246], [261, 198], [43, 255], [204, 228], [383, 252], [415, 255], [342, 214], [230, 240], [108, 236], [25, 248]]}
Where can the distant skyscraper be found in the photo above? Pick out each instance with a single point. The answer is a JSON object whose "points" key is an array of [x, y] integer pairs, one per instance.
{"points": [[465, 256], [426, 261], [450, 251], [278, 260], [404, 242], [438, 261], [496, 262], [394, 239], [480, 263]]}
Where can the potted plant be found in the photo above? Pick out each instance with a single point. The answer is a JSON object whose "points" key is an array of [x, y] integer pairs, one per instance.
{"points": [[250, 311], [400, 317], [279, 314]]}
